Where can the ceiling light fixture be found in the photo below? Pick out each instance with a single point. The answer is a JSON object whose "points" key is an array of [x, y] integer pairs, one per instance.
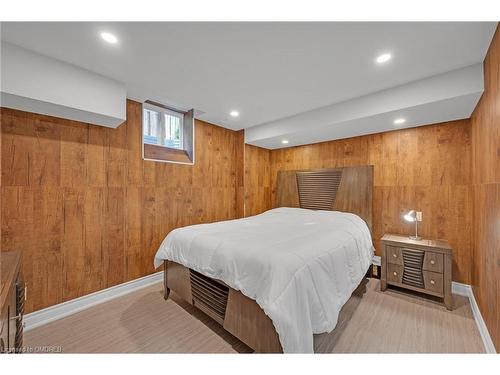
{"points": [[234, 113], [383, 58], [108, 37], [284, 141], [399, 121]]}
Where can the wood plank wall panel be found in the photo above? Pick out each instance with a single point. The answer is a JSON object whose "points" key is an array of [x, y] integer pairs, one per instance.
{"points": [[240, 173], [88, 213], [486, 194], [425, 168], [257, 180], [1, 116]]}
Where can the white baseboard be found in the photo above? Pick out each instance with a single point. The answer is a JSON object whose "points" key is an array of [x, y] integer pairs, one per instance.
{"points": [[49, 314], [466, 290], [461, 289]]}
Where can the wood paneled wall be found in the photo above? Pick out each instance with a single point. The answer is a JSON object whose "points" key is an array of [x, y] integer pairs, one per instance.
{"points": [[257, 180], [425, 168], [486, 194], [88, 213], [1, 115]]}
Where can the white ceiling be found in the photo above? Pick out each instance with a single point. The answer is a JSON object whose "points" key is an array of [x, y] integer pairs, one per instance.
{"points": [[444, 97], [266, 71]]}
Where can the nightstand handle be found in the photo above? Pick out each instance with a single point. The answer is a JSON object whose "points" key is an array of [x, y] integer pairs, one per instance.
{"points": [[433, 261], [433, 282], [394, 255], [395, 273]]}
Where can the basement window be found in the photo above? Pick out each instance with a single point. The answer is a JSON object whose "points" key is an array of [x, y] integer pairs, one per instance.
{"points": [[167, 134]]}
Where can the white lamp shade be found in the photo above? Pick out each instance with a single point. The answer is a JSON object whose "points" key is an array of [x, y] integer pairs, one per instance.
{"points": [[410, 216]]}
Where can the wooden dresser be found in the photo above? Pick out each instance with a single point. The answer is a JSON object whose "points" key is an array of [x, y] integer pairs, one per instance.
{"points": [[423, 266], [12, 294]]}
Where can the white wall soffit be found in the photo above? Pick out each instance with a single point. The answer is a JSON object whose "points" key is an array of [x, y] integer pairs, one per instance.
{"points": [[36, 83], [445, 97]]}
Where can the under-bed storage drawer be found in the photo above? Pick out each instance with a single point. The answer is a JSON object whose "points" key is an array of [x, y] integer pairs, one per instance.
{"points": [[209, 295]]}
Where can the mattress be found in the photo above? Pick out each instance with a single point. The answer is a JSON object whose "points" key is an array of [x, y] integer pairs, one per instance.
{"points": [[301, 266]]}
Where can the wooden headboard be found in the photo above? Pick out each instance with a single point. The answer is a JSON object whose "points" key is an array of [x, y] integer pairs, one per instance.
{"points": [[347, 189]]}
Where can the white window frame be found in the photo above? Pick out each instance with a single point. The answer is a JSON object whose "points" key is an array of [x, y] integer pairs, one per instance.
{"points": [[162, 112], [171, 112], [180, 116]]}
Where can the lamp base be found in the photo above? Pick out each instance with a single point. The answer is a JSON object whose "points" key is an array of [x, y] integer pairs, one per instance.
{"points": [[415, 238]]}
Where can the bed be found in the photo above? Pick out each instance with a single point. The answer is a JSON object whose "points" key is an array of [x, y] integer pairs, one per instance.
{"points": [[275, 279]]}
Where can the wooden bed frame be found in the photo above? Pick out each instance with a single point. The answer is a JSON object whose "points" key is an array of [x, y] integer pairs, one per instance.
{"points": [[347, 189]]}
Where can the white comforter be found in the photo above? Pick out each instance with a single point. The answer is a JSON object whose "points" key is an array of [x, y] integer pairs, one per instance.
{"points": [[301, 266]]}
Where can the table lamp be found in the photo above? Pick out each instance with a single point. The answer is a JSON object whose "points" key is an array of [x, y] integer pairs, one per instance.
{"points": [[414, 217]]}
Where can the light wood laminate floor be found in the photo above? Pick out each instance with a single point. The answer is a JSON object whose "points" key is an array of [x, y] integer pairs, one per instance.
{"points": [[142, 321]]}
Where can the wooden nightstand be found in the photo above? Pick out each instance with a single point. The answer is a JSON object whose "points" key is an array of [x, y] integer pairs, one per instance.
{"points": [[423, 266]]}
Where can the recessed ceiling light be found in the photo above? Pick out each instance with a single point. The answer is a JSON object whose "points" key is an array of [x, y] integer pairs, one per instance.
{"points": [[284, 141], [399, 121], [234, 113], [108, 37], [383, 58]]}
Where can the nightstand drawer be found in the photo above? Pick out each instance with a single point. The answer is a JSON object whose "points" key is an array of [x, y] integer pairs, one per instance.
{"points": [[433, 282], [394, 273], [433, 262], [394, 255]]}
